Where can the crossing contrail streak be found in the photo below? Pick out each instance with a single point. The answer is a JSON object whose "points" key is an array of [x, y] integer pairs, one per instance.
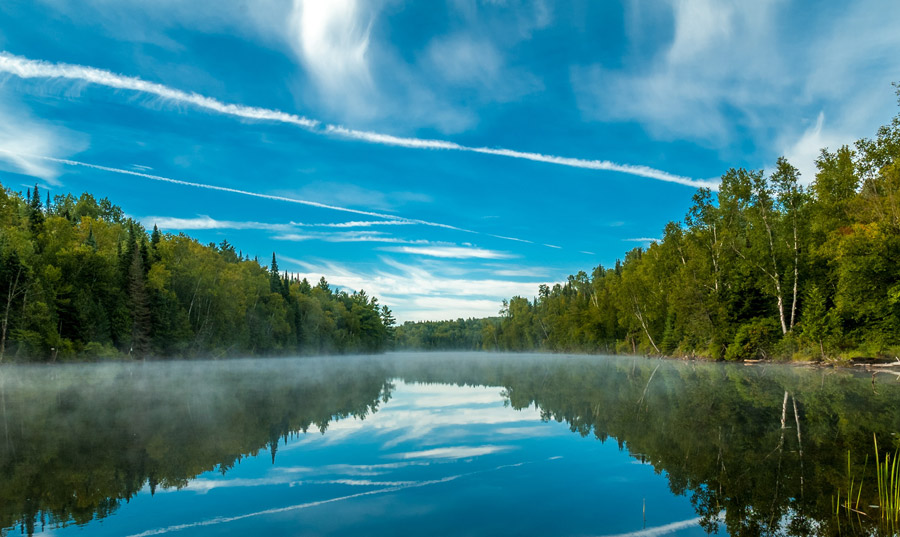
{"points": [[28, 68], [299, 201], [390, 219]]}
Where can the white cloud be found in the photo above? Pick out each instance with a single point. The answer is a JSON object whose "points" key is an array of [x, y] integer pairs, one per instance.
{"points": [[348, 236], [805, 150], [26, 68], [332, 40], [450, 252], [752, 71], [359, 223], [520, 272], [722, 58], [22, 136], [416, 293], [352, 195], [205, 222], [467, 62], [14, 154]]}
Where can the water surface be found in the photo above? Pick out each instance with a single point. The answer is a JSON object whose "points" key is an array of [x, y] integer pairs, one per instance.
{"points": [[439, 444]]}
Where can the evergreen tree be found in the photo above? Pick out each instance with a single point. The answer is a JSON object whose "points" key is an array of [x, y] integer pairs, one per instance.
{"points": [[274, 277], [35, 212]]}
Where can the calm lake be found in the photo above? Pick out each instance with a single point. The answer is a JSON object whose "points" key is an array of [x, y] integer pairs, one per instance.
{"points": [[438, 444]]}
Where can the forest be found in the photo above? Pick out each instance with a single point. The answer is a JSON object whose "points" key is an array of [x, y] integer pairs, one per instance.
{"points": [[80, 281], [763, 268]]}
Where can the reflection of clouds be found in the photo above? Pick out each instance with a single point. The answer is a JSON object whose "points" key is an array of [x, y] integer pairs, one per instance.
{"points": [[278, 510], [202, 486], [223, 520], [454, 452], [525, 432], [660, 530], [426, 415], [417, 411], [349, 469], [362, 483]]}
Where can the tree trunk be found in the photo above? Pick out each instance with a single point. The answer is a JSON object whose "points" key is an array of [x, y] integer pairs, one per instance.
{"points": [[637, 313], [778, 293], [796, 274], [11, 295]]}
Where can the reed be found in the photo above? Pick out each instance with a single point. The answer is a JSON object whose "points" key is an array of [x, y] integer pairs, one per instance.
{"points": [[888, 479], [849, 501]]}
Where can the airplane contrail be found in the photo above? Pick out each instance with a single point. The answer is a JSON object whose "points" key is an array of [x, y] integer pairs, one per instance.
{"points": [[389, 218], [28, 68]]}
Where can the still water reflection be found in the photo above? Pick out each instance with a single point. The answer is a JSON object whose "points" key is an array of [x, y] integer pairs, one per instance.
{"points": [[441, 444]]}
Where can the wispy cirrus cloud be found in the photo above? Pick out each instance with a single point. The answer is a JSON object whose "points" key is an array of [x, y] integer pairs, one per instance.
{"points": [[207, 222], [332, 41], [359, 223], [22, 136], [28, 68], [450, 252], [348, 236], [733, 70], [14, 154]]}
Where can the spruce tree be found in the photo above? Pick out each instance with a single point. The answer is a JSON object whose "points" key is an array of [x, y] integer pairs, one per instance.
{"points": [[274, 278], [35, 214], [155, 236]]}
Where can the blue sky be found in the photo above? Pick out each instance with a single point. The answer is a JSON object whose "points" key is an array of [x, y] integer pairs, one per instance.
{"points": [[441, 155]]}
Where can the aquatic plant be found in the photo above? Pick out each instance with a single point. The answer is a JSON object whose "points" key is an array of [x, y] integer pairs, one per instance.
{"points": [[887, 512], [888, 478], [849, 501]]}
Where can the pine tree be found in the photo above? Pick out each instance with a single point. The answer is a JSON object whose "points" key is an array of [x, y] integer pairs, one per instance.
{"points": [[155, 237], [274, 278], [35, 213]]}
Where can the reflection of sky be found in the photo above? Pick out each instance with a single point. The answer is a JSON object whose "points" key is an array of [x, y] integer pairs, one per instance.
{"points": [[435, 460]]}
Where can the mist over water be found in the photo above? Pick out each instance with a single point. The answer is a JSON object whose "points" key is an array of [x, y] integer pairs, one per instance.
{"points": [[444, 443]]}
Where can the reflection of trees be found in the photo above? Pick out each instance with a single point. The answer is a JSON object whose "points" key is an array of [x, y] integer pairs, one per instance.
{"points": [[78, 440], [725, 435]]}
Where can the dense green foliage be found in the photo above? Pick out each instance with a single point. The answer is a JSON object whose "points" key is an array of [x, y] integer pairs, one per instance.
{"points": [[765, 267], [461, 334], [78, 280]]}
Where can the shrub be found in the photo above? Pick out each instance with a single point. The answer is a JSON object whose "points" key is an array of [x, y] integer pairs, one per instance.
{"points": [[755, 339]]}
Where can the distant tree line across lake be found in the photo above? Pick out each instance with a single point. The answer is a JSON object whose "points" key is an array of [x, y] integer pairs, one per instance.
{"points": [[79, 280], [765, 267]]}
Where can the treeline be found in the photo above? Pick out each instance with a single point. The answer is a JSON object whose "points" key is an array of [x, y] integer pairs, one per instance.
{"points": [[461, 334], [765, 267], [79, 280]]}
